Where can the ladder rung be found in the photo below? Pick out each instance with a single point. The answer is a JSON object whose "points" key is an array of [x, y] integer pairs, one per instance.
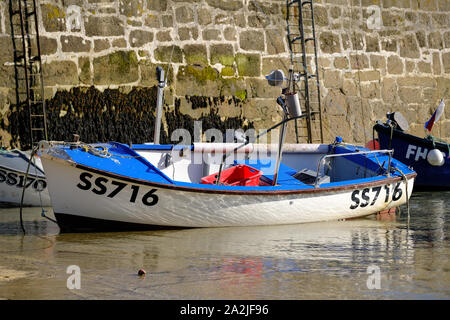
{"points": [[306, 2], [37, 115], [37, 129]]}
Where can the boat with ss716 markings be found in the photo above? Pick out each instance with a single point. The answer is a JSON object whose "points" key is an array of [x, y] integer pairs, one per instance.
{"points": [[111, 186]]}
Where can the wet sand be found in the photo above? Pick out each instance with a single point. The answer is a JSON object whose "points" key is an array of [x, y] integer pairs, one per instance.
{"points": [[310, 261]]}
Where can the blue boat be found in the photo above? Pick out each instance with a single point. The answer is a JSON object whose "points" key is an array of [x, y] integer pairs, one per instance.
{"points": [[416, 152], [111, 186]]}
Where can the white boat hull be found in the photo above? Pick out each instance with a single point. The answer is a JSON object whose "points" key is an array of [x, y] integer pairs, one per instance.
{"points": [[94, 196], [12, 182]]}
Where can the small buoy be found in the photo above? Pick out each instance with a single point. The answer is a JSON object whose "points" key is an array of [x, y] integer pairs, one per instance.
{"points": [[435, 158], [141, 272], [371, 143]]}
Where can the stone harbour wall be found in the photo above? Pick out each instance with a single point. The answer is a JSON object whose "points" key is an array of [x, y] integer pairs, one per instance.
{"points": [[375, 56]]}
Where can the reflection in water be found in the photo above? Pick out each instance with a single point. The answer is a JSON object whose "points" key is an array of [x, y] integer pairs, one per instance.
{"points": [[314, 261]]}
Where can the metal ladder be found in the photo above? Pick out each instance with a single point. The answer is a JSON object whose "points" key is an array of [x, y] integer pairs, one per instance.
{"points": [[28, 68], [303, 53]]}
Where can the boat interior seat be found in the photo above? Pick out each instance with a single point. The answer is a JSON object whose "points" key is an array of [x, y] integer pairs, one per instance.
{"points": [[285, 173]]}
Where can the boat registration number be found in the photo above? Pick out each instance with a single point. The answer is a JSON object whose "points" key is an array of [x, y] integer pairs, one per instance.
{"points": [[14, 179], [103, 186], [368, 196]]}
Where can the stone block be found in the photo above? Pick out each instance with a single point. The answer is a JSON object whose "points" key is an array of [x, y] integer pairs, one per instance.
{"points": [[195, 54], [378, 62], [395, 65], [104, 26], [53, 18], [152, 21], [251, 40], [184, 14], [424, 67], [410, 95], [226, 5], [48, 45], [410, 66], [204, 16], [248, 64], [221, 53], [258, 88], [341, 62], [119, 43], [427, 5], [437, 63], [60, 73], [75, 44], [320, 16], [167, 21], [370, 90], [389, 90], [194, 80], [257, 21], [119, 67], [435, 40], [332, 79], [329, 42], [84, 65], [172, 54], [446, 61], [131, 8], [372, 44], [396, 4], [101, 44], [157, 5], [211, 34], [188, 33], [139, 38], [230, 34], [421, 39], [359, 61], [422, 82], [372, 75], [163, 36], [357, 41], [444, 5], [409, 47], [269, 64], [275, 43], [349, 88]]}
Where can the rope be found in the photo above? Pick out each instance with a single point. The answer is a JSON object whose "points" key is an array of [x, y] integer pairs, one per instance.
{"points": [[406, 188], [33, 151]]}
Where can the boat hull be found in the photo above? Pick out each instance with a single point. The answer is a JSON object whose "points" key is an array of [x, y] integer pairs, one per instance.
{"points": [[96, 203], [13, 167], [413, 151]]}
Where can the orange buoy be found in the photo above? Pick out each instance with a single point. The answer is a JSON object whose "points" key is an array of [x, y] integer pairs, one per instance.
{"points": [[372, 143]]}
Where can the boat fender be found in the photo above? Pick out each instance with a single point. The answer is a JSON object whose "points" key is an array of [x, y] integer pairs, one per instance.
{"points": [[435, 158]]}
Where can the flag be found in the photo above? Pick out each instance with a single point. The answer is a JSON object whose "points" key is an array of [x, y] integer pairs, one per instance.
{"points": [[436, 115]]}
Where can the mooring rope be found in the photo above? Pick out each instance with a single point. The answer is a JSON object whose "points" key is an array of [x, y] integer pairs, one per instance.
{"points": [[406, 189], [33, 151]]}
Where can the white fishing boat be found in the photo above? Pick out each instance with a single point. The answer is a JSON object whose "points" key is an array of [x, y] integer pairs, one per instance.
{"points": [[110, 186], [17, 173]]}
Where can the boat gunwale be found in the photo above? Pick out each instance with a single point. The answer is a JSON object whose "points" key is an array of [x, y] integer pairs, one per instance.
{"points": [[244, 192]]}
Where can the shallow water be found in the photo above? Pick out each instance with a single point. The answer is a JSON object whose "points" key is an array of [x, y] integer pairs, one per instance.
{"points": [[308, 261]]}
